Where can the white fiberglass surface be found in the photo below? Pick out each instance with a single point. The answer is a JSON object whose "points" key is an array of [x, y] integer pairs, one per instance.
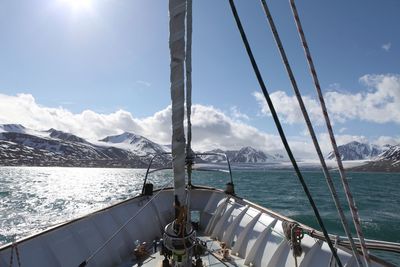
{"points": [[35, 198]]}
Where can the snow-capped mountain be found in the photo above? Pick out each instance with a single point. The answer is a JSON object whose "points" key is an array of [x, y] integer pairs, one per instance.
{"points": [[135, 143], [357, 151], [23, 146], [214, 158], [378, 158], [251, 155], [138, 145], [392, 154], [16, 128], [244, 155], [387, 161], [65, 136]]}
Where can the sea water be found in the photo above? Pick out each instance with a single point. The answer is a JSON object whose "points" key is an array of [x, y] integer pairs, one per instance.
{"points": [[35, 198]]}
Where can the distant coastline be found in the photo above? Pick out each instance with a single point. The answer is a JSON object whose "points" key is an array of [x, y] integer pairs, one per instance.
{"points": [[21, 146], [351, 166], [377, 166]]}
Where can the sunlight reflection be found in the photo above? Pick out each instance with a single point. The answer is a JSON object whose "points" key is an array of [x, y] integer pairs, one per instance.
{"points": [[78, 6], [33, 198]]}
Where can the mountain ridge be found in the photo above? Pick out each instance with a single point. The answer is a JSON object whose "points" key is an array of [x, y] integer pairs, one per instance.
{"points": [[358, 151], [23, 146], [135, 143], [384, 158], [246, 154]]}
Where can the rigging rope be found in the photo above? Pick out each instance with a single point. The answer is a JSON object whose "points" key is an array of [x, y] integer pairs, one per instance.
{"points": [[293, 234], [311, 131], [349, 196], [85, 262], [281, 132]]}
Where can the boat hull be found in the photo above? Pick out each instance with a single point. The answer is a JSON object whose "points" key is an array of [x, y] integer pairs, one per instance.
{"points": [[253, 234]]}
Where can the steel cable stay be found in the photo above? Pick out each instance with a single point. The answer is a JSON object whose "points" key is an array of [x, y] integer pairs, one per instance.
{"points": [[312, 132], [88, 259], [349, 196], [281, 132]]}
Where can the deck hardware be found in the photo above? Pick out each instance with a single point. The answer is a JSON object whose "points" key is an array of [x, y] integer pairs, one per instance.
{"points": [[141, 252], [148, 189], [230, 188]]}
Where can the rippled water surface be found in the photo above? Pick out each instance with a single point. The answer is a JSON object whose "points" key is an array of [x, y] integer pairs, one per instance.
{"points": [[33, 199]]}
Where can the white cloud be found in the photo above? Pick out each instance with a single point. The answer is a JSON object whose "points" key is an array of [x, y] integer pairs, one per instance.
{"points": [[211, 127], [341, 139], [381, 104], [147, 84], [23, 109], [387, 140], [326, 144], [387, 46], [335, 86], [237, 114], [288, 108]]}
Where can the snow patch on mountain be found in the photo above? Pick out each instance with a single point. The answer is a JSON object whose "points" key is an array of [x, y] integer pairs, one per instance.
{"points": [[135, 143], [252, 155], [65, 136], [17, 128], [392, 154], [358, 151], [244, 155], [23, 146]]}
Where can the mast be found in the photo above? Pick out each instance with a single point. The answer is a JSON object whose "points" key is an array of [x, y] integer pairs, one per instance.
{"points": [[179, 236], [177, 13]]}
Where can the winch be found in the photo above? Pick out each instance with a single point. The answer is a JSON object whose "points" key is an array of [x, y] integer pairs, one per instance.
{"points": [[179, 244]]}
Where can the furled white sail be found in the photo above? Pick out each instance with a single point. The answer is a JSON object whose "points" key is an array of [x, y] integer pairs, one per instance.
{"points": [[177, 13]]}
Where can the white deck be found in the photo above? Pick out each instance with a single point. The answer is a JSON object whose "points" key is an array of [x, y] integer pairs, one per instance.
{"points": [[253, 234], [155, 260]]}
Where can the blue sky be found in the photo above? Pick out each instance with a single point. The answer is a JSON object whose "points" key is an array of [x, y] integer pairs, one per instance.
{"points": [[109, 55]]}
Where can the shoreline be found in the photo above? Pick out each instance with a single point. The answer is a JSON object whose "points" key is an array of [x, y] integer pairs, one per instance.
{"points": [[350, 166]]}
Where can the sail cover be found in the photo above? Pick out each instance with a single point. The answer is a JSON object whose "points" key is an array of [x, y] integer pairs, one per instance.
{"points": [[177, 14]]}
